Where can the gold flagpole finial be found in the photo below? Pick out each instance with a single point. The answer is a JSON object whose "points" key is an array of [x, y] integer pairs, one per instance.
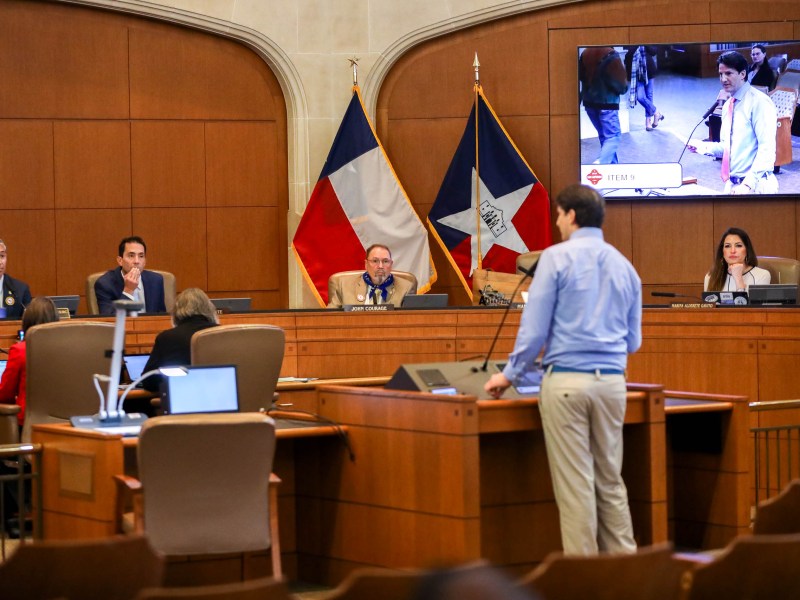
{"points": [[354, 64], [477, 66]]}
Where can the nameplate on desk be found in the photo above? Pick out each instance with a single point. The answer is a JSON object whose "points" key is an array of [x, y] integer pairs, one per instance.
{"points": [[692, 305], [63, 313], [368, 307]]}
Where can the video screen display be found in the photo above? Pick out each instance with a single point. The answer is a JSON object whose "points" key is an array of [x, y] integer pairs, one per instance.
{"points": [[667, 137]]}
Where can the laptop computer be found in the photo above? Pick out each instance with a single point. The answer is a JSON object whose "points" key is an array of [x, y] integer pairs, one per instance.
{"points": [[424, 301], [726, 298], [201, 389], [134, 366], [232, 304], [3, 364], [68, 302]]}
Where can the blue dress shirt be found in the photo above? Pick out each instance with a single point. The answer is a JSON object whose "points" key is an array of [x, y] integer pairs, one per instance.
{"points": [[584, 306]]}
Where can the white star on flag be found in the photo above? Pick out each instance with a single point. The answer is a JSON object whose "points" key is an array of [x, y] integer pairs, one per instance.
{"points": [[493, 232]]}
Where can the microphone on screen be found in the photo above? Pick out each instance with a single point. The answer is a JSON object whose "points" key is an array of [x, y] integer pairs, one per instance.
{"points": [[713, 107], [528, 273]]}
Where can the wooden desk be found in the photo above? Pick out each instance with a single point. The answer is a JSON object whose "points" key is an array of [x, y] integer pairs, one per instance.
{"points": [[79, 493]]}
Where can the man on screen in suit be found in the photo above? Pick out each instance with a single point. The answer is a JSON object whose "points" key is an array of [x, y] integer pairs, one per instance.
{"points": [[130, 281], [15, 293], [376, 285]]}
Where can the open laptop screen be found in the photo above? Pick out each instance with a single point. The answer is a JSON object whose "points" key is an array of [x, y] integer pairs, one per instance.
{"points": [[202, 389], [3, 364], [135, 363]]}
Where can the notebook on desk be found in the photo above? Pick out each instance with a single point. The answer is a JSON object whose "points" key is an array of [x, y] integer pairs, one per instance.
{"points": [[202, 389]]}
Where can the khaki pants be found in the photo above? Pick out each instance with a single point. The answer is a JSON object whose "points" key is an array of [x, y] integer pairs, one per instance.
{"points": [[582, 415]]}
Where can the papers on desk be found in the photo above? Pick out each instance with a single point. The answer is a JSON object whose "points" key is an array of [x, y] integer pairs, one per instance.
{"points": [[296, 379]]}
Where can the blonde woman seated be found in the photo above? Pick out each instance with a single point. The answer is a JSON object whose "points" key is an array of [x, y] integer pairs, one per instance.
{"points": [[735, 266]]}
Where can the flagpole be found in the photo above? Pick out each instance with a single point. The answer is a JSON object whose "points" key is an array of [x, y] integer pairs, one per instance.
{"points": [[477, 66]]}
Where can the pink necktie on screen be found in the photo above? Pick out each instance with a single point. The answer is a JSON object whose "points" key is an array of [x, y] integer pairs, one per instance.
{"points": [[725, 172]]}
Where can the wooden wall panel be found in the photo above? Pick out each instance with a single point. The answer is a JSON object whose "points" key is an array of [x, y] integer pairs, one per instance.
{"points": [[176, 242], [92, 164], [168, 163], [87, 242], [770, 224], [241, 165], [62, 66], [239, 242], [30, 239], [72, 147], [665, 248], [26, 164], [177, 74]]}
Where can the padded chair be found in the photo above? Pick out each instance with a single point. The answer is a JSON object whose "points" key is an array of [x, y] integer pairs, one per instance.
{"points": [[9, 428], [651, 573], [782, 270], [333, 280], [111, 569], [62, 357], [780, 514], [256, 589], [169, 290], [778, 63], [759, 567], [527, 259], [205, 491], [785, 100], [793, 65], [257, 352]]}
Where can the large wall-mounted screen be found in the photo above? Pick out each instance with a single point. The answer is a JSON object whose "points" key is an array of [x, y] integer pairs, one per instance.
{"points": [[655, 120]]}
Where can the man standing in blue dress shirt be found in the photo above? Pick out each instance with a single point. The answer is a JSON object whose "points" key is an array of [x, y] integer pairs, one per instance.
{"points": [[585, 309]]}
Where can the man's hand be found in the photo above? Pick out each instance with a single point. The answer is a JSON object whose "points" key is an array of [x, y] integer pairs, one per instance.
{"points": [[131, 279], [497, 384]]}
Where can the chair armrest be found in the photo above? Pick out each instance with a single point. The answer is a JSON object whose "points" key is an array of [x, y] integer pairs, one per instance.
{"points": [[129, 493], [9, 409]]}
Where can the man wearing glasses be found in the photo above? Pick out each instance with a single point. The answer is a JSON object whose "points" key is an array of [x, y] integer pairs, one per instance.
{"points": [[376, 285]]}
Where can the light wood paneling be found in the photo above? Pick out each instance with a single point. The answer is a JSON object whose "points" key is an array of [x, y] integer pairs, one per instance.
{"points": [[26, 164], [770, 225], [68, 64], [168, 163], [176, 242], [241, 164], [87, 242], [241, 255], [92, 164], [177, 74]]}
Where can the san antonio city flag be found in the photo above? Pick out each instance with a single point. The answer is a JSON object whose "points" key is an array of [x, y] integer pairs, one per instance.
{"points": [[489, 183], [358, 201]]}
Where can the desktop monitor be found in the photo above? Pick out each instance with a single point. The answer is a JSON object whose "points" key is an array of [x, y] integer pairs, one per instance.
{"points": [[232, 305], [68, 302]]}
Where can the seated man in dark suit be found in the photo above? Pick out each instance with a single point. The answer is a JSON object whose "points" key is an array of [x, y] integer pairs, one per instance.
{"points": [[376, 285], [130, 281], [16, 295]]}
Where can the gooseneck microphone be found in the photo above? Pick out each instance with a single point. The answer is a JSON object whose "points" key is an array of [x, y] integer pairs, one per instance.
{"points": [[674, 295], [718, 102], [528, 273], [707, 114]]}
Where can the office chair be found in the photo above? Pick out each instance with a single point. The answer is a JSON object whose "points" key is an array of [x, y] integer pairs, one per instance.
{"points": [[205, 490], [9, 427], [257, 352], [785, 100], [335, 280], [781, 270], [527, 259], [652, 573], [62, 357], [112, 569], [169, 290]]}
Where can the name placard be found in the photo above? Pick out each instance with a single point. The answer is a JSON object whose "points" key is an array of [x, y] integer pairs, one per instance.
{"points": [[367, 307], [692, 305]]}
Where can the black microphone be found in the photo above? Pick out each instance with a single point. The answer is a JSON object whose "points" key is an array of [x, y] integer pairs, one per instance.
{"points": [[528, 273], [712, 109], [674, 295]]}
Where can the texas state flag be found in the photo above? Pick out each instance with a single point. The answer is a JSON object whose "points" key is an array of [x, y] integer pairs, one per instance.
{"points": [[358, 201], [491, 210]]}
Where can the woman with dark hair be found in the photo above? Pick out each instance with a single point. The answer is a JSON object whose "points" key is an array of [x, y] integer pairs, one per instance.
{"points": [[735, 266], [192, 312], [12, 386]]}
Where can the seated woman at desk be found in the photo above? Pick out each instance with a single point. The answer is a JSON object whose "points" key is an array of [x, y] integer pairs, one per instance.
{"points": [[735, 266], [12, 386], [192, 312]]}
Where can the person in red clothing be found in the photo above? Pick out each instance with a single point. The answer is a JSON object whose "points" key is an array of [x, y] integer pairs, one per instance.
{"points": [[12, 386]]}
